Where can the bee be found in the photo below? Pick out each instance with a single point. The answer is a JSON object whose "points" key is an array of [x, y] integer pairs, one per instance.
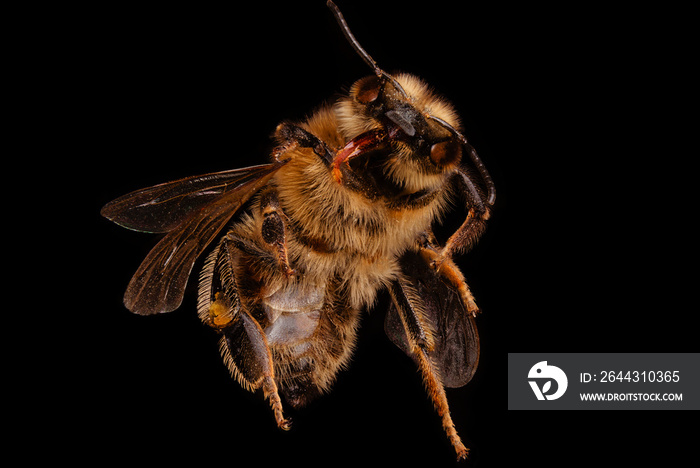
{"points": [[305, 243]]}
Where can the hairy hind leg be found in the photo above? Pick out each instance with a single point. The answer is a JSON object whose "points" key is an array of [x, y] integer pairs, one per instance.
{"points": [[420, 342], [247, 355], [243, 344]]}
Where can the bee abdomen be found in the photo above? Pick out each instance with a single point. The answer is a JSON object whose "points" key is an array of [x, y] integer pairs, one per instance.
{"points": [[293, 314], [292, 328]]}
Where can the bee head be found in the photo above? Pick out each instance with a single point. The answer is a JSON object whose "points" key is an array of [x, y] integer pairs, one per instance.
{"points": [[419, 125], [422, 128]]}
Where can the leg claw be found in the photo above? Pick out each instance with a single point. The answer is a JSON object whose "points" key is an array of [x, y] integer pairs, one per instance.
{"points": [[462, 454], [285, 424]]}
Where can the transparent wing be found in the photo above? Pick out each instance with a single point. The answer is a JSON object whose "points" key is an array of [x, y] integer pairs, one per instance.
{"points": [[201, 211], [164, 207], [456, 348]]}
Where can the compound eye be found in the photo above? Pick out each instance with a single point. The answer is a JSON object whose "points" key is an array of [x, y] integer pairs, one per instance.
{"points": [[446, 153], [367, 89]]}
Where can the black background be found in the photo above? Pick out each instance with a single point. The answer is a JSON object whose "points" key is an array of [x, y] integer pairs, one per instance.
{"points": [[569, 109]]}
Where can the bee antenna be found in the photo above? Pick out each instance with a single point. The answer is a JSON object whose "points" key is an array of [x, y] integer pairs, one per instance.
{"points": [[360, 51], [351, 39]]}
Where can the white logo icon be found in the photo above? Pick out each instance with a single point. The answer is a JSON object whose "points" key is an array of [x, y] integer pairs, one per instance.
{"points": [[545, 374]]}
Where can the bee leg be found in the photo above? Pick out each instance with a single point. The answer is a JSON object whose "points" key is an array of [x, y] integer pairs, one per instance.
{"points": [[247, 355], [450, 272], [290, 136], [473, 227], [409, 309], [436, 392], [218, 301], [243, 344], [274, 229]]}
